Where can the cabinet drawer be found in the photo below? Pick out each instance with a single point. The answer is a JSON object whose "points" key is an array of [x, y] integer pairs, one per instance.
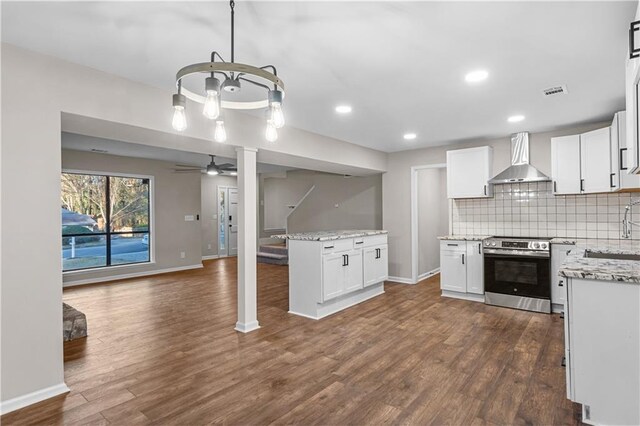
{"points": [[375, 240], [337, 245], [451, 245]]}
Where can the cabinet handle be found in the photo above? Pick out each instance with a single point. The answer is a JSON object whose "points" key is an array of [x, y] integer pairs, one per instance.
{"points": [[634, 52], [560, 283], [344, 260], [622, 159], [328, 247], [479, 248], [555, 186], [485, 190], [463, 259], [581, 185], [359, 242], [452, 245], [347, 256], [611, 180]]}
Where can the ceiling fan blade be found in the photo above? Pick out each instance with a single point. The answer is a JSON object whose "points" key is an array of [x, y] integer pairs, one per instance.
{"points": [[187, 170], [225, 165], [188, 166]]}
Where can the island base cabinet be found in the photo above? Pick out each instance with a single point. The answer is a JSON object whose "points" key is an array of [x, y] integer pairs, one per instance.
{"points": [[604, 350], [328, 276]]}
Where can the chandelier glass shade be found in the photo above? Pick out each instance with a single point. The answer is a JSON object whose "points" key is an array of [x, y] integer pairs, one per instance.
{"points": [[228, 77]]}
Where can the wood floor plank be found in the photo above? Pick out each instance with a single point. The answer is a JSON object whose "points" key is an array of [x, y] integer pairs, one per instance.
{"points": [[162, 350]]}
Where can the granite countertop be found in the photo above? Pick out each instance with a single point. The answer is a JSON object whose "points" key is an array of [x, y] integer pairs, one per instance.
{"points": [[562, 241], [330, 235], [576, 265], [464, 237]]}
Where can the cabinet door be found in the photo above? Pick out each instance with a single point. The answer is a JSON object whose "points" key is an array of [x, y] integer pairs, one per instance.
{"points": [[333, 276], [565, 164], [468, 172], [353, 271], [595, 163], [619, 158], [475, 267], [453, 270], [558, 284], [375, 265], [382, 265]]}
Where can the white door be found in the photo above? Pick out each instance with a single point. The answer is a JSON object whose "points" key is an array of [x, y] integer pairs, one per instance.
{"points": [[565, 164], [453, 270], [233, 222], [595, 163], [475, 267], [333, 275], [353, 271]]}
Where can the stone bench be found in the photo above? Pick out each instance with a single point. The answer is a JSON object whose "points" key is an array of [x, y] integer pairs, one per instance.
{"points": [[74, 323]]}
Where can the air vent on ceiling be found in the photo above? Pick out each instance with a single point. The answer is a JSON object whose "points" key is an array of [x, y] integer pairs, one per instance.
{"points": [[556, 90], [99, 151]]}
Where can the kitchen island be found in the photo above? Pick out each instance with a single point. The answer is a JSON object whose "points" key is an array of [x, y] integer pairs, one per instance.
{"points": [[602, 331], [332, 270]]}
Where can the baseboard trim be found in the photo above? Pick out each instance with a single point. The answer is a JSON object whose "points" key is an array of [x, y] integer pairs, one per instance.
{"points": [[303, 315], [210, 257], [401, 280], [429, 274], [32, 398], [248, 327], [131, 275], [463, 296]]}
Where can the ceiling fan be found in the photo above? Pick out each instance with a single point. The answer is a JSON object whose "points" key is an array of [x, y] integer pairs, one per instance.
{"points": [[211, 169]]}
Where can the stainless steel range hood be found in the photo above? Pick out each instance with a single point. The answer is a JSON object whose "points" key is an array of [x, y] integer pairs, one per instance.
{"points": [[520, 169]]}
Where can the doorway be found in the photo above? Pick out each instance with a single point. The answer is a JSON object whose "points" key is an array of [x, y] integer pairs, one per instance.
{"points": [[429, 219], [228, 221]]}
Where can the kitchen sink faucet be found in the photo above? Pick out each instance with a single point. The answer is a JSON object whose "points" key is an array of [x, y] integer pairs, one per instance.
{"points": [[626, 223]]}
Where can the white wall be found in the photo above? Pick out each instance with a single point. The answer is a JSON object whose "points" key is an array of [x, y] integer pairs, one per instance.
{"points": [[210, 209], [280, 192], [174, 196], [37, 92], [397, 184], [433, 216]]}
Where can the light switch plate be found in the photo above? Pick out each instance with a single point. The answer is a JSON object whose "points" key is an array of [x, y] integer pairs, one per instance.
{"points": [[189, 218], [182, 255]]}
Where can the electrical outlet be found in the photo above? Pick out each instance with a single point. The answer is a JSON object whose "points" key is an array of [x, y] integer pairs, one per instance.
{"points": [[208, 246], [182, 255]]}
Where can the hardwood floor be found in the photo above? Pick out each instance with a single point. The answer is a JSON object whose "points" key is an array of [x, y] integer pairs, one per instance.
{"points": [[162, 350]]}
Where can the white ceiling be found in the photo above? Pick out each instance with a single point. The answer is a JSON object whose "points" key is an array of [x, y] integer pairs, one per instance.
{"points": [[401, 65]]}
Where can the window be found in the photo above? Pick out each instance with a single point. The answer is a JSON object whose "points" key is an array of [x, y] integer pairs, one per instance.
{"points": [[105, 220]]}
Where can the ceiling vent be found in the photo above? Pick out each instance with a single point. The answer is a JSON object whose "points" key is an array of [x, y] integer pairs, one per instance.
{"points": [[556, 90], [99, 151]]}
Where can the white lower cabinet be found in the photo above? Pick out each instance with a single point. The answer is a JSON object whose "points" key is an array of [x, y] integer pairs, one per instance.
{"points": [[328, 276], [461, 268], [559, 253], [376, 264], [602, 347]]}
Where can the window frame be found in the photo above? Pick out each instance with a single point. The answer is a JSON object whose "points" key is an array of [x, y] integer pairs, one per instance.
{"points": [[107, 233]]}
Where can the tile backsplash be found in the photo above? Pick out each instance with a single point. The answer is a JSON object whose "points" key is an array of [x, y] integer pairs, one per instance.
{"points": [[531, 210]]}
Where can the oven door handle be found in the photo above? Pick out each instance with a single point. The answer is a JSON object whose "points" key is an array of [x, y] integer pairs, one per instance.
{"points": [[500, 253]]}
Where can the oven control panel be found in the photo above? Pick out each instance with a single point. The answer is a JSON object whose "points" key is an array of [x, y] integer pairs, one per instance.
{"points": [[517, 244]]}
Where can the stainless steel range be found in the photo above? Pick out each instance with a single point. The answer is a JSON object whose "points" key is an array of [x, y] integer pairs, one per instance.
{"points": [[517, 273]]}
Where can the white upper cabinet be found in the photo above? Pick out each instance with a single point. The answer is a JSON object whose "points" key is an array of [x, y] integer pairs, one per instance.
{"points": [[565, 164], [619, 160], [468, 172], [595, 163], [589, 163], [632, 122]]}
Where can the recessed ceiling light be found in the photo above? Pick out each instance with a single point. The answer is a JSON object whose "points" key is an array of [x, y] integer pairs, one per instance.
{"points": [[515, 118], [409, 136], [476, 76], [343, 109]]}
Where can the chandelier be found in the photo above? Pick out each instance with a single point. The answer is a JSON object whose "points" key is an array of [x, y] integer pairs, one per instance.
{"points": [[232, 74]]}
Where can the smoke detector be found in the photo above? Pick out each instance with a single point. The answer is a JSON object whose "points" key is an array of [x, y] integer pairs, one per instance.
{"points": [[556, 90]]}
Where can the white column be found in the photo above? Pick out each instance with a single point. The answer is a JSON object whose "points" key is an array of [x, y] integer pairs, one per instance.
{"points": [[247, 237]]}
